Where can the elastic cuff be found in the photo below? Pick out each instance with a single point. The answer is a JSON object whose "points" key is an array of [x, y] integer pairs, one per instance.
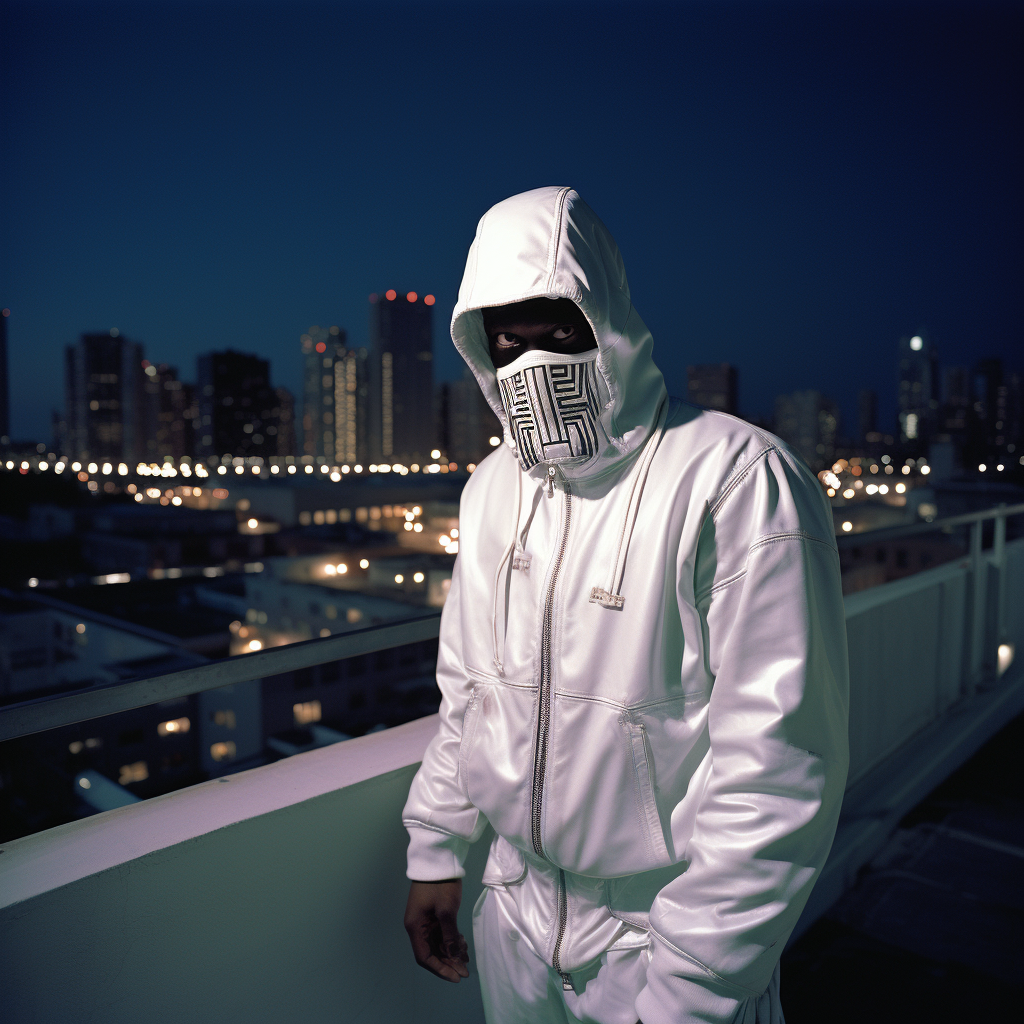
{"points": [[434, 856]]}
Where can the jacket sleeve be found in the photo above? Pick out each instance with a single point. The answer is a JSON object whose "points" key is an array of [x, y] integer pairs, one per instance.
{"points": [[769, 596], [438, 815]]}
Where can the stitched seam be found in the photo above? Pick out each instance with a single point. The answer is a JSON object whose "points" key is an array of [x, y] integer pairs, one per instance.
{"points": [[737, 478], [787, 535], [557, 236], [721, 585], [413, 823], [701, 967]]}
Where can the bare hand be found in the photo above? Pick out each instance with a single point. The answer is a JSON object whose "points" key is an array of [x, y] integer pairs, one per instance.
{"points": [[431, 919]]}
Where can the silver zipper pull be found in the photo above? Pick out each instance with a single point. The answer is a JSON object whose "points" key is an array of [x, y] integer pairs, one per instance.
{"points": [[551, 481]]}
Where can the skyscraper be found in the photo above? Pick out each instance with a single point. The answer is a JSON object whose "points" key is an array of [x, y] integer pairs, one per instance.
{"points": [[170, 413], [105, 398], [335, 397], [867, 413], [467, 423], [285, 411], [401, 377], [713, 386], [918, 397], [809, 422], [237, 406]]}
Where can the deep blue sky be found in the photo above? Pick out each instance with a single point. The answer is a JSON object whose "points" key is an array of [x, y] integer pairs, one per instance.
{"points": [[793, 186]]}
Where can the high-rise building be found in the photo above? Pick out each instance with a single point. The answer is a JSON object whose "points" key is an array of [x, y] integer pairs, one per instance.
{"points": [[335, 397], [867, 413], [468, 430], [171, 413], [401, 377], [809, 422], [105, 399], [713, 386], [5, 396], [237, 406], [918, 396], [285, 412]]}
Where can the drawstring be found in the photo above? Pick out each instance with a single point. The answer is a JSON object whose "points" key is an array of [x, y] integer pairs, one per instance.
{"points": [[611, 598], [509, 548]]}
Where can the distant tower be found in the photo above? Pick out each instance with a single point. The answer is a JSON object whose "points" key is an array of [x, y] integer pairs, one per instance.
{"points": [[335, 397], [5, 395], [809, 422], [105, 398], [401, 377], [285, 412], [713, 386], [170, 413], [467, 421], [236, 406], [867, 413], [918, 397]]}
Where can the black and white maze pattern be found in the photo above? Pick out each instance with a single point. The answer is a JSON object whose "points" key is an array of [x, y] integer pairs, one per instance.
{"points": [[552, 411]]}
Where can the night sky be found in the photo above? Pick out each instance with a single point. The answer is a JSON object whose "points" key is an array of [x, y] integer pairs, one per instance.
{"points": [[793, 186]]}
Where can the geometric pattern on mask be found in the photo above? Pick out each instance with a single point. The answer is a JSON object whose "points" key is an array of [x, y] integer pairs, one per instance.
{"points": [[552, 411]]}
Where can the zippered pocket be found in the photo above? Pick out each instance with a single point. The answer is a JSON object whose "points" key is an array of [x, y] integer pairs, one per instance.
{"points": [[643, 774]]}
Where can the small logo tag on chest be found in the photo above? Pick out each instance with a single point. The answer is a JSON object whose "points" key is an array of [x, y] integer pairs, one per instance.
{"points": [[522, 562]]}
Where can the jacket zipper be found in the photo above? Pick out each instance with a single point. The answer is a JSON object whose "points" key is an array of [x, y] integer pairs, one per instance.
{"points": [[544, 722]]}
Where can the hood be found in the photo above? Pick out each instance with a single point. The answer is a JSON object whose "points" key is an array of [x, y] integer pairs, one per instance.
{"points": [[548, 242]]}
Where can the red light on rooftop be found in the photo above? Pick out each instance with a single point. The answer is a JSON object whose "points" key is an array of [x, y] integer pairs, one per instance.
{"points": [[391, 295], [321, 347], [412, 296], [7, 312], [429, 300]]}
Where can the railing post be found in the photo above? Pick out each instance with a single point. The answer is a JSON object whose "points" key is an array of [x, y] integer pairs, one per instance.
{"points": [[999, 561], [976, 664]]}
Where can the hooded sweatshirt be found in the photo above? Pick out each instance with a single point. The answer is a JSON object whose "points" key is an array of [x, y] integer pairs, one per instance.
{"points": [[642, 658]]}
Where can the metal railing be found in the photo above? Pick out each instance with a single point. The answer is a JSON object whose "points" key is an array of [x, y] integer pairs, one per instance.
{"points": [[50, 712], [43, 713]]}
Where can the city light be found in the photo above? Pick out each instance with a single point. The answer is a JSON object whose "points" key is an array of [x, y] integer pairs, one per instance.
{"points": [[900, 488], [429, 300], [255, 645], [411, 296], [176, 726], [330, 570], [391, 295], [999, 468], [417, 527], [342, 568], [847, 526], [33, 582], [925, 470], [253, 523], [883, 488], [982, 467], [1004, 657], [418, 577], [444, 540], [435, 454], [494, 441], [916, 342], [399, 578], [848, 493], [364, 563]]}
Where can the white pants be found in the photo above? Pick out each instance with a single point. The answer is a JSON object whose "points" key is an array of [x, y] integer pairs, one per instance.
{"points": [[519, 987]]}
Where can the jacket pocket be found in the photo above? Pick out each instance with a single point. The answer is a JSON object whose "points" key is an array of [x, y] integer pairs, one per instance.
{"points": [[469, 721], [643, 775], [506, 864]]}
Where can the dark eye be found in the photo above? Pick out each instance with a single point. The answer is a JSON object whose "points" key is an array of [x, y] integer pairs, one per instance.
{"points": [[506, 340], [564, 332]]}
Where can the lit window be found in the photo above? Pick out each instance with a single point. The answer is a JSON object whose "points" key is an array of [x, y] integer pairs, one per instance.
{"points": [[354, 615], [76, 746], [330, 570], [223, 751], [364, 563], [255, 645], [342, 568], [307, 712], [134, 772], [418, 577], [417, 527], [174, 727], [80, 628], [436, 453], [225, 718], [399, 578]]}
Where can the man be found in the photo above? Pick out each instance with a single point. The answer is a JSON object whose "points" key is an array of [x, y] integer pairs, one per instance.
{"points": [[642, 664]]}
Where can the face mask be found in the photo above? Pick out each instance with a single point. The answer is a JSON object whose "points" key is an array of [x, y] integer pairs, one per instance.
{"points": [[551, 403]]}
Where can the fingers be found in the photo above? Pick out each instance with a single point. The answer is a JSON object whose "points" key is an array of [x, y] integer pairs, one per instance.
{"points": [[447, 958]]}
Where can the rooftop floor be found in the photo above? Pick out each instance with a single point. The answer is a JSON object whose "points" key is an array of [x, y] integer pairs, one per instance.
{"points": [[932, 929]]}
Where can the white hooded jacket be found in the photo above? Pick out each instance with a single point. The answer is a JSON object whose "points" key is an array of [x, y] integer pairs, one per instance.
{"points": [[642, 660]]}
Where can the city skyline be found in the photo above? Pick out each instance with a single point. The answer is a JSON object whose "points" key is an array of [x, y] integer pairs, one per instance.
{"points": [[811, 183]]}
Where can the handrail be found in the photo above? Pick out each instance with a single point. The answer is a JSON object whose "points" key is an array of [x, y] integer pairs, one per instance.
{"points": [[911, 529], [43, 713], [51, 712]]}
